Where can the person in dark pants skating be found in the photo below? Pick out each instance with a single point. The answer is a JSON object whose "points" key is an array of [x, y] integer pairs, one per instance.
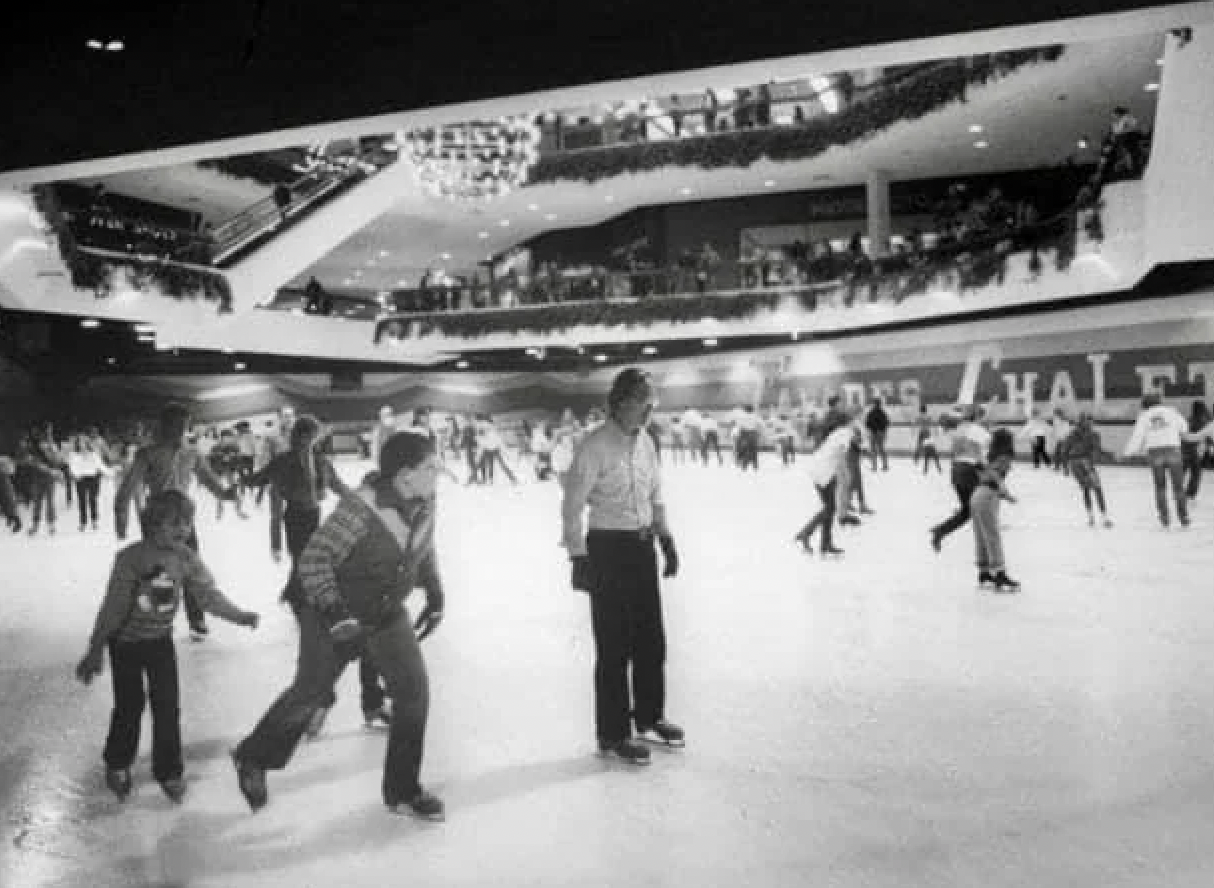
{"points": [[615, 473], [349, 588], [970, 444]]}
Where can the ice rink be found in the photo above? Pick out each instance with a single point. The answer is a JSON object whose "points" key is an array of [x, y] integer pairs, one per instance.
{"points": [[868, 721]]}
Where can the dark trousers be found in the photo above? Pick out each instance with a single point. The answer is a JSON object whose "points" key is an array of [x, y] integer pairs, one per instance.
{"points": [[396, 653], [929, 452], [42, 495], [8, 499], [194, 613], [491, 458], [788, 451], [1191, 456], [1167, 466], [299, 523], [825, 517], [965, 478], [748, 450], [713, 440], [878, 442], [130, 661], [1039, 453], [626, 617], [86, 496]]}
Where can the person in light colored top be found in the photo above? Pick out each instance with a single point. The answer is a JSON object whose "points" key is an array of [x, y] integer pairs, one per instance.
{"points": [[827, 465], [615, 475], [1158, 432], [970, 444], [86, 468]]}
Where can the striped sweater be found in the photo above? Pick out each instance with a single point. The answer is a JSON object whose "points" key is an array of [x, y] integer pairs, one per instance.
{"points": [[145, 589]]}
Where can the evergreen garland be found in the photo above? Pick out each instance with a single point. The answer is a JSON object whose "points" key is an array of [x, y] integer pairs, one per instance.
{"points": [[97, 273], [898, 101]]}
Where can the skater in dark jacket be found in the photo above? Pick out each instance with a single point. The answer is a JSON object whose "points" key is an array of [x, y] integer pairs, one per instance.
{"points": [[352, 579]]}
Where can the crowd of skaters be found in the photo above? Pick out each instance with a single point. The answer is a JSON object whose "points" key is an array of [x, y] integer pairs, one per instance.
{"points": [[382, 529]]}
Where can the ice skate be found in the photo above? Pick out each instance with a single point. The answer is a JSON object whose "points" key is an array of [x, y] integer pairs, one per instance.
{"points": [[662, 733]]}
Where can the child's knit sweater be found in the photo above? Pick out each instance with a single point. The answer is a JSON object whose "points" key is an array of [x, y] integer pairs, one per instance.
{"points": [[145, 590]]}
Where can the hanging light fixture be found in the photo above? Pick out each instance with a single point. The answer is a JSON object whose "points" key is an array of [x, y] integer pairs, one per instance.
{"points": [[473, 161]]}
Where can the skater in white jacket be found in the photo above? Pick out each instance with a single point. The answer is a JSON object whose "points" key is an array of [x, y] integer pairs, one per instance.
{"points": [[1159, 431]]}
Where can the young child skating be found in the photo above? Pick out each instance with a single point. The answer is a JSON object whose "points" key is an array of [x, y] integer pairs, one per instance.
{"points": [[984, 512], [1081, 450], [136, 623]]}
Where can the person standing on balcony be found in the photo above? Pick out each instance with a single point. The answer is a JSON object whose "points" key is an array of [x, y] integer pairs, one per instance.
{"points": [[615, 473], [282, 200]]}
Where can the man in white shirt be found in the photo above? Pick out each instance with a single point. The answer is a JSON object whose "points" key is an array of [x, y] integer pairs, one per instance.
{"points": [[1159, 431], [615, 473], [1038, 431], [970, 443]]}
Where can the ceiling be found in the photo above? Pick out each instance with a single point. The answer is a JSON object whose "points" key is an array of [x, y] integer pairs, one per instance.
{"points": [[1031, 119]]}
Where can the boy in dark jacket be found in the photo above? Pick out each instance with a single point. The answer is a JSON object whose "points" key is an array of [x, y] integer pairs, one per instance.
{"points": [[135, 622], [350, 585]]}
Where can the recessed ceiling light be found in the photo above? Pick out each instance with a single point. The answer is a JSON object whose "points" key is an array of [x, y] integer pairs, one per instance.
{"points": [[770, 183], [482, 234], [115, 46], [240, 365], [533, 207], [650, 350], [710, 342], [982, 143], [383, 254], [347, 282], [95, 44], [505, 223], [975, 127], [1159, 62], [111, 361], [445, 256], [551, 217], [600, 358], [358, 272], [1151, 87], [462, 365], [684, 191], [90, 323], [1081, 144], [402, 283]]}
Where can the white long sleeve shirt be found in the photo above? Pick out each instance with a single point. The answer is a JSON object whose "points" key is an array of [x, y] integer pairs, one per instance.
{"points": [[616, 475], [1158, 426], [970, 443]]}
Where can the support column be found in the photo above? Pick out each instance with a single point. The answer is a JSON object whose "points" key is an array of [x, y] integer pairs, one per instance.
{"points": [[877, 192]]}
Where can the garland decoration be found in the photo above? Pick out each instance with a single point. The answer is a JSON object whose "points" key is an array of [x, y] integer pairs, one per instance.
{"points": [[899, 99], [99, 271]]}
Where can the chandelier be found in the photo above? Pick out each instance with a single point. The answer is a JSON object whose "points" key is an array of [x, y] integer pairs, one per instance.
{"points": [[474, 161]]}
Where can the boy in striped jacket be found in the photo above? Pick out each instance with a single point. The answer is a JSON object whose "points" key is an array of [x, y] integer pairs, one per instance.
{"points": [[135, 622]]}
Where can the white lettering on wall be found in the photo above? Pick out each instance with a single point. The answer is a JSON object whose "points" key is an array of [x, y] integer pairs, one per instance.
{"points": [[1020, 396], [1062, 392], [1152, 377], [986, 352], [1098, 361], [1203, 370], [883, 389]]}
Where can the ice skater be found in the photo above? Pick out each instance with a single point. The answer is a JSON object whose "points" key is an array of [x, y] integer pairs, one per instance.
{"points": [[135, 623], [1159, 431], [615, 473], [827, 464], [350, 588], [1081, 450], [984, 508], [170, 464], [970, 443]]}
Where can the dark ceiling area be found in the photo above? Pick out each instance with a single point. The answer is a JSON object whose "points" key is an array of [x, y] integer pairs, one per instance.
{"points": [[193, 72]]}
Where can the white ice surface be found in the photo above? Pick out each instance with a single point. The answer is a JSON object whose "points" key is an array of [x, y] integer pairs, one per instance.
{"points": [[871, 721]]}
